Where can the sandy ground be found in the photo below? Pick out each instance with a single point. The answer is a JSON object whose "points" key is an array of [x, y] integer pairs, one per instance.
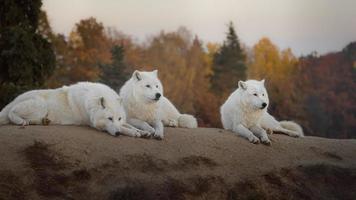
{"points": [[69, 162]]}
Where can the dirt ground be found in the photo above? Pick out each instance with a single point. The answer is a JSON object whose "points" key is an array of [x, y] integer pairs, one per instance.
{"points": [[70, 162]]}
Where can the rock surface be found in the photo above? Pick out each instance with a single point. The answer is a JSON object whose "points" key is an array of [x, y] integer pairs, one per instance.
{"points": [[70, 162]]}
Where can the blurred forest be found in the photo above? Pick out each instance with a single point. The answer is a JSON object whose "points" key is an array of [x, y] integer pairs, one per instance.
{"points": [[314, 90]]}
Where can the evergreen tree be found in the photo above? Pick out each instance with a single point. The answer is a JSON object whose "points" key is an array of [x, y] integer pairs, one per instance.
{"points": [[114, 74], [228, 64], [26, 58]]}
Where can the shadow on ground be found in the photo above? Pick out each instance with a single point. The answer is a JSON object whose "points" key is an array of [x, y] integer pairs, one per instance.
{"points": [[51, 176]]}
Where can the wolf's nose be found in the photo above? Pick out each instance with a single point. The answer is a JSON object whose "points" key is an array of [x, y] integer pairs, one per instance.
{"points": [[158, 95], [264, 105]]}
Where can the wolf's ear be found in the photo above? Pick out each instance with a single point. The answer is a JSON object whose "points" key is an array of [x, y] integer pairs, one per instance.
{"points": [[263, 81], [136, 75], [155, 72], [119, 99], [102, 102], [242, 85]]}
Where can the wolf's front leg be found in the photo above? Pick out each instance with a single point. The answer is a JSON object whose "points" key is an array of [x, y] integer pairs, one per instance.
{"points": [[141, 125], [158, 125], [261, 133], [130, 130], [244, 132]]}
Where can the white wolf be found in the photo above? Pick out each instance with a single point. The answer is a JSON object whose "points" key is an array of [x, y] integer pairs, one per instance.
{"points": [[84, 103], [245, 113], [147, 109]]}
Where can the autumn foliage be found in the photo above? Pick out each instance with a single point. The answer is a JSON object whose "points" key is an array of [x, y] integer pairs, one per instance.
{"points": [[316, 91]]}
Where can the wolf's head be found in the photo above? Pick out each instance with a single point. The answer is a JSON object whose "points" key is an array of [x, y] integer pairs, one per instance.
{"points": [[108, 114], [147, 86], [254, 94]]}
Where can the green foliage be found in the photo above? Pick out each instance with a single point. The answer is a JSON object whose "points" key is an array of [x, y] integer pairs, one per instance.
{"points": [[317, 90], [114, 74], [350, 51], [229, 64], [24, 13], [26, 58], [44, 28]]}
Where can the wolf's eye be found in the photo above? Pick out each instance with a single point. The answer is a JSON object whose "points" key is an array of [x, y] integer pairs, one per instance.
{"points": [[263, 94], [156, 86], [110, 118], [148, 86], [119, 118], [255, 94]]}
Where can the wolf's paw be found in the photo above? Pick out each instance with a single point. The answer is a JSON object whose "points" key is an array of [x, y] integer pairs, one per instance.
{"points": [[269, 131], [158, 135], [150, 130], [137, 134], [173, 123], [266, 141], [296, 135], [113, 134], [46, 121], [24, 124], [253, 139], [144, 134]]}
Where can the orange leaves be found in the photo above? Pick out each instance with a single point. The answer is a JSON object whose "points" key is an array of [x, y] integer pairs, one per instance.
{"points": [[280, 69], [316, 91], [87, 46]]}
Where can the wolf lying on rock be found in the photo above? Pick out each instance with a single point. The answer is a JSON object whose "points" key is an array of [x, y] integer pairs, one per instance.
{"points": [[147, 108], [245, 113], [84, 103]]}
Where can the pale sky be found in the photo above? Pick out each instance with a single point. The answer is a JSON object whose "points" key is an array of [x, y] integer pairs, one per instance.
{"points": [[303, 25]]}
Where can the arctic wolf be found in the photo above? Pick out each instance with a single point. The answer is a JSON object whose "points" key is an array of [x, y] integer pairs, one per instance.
{"points": [[84, 103], [147, 108], [245, 113]]}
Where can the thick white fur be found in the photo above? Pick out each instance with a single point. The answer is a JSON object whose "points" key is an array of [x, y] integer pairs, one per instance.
{"points": [[269, 123], [84, 103], [140, 102], [293, 126], [244, 114], [173, 118], [145, 111]]}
